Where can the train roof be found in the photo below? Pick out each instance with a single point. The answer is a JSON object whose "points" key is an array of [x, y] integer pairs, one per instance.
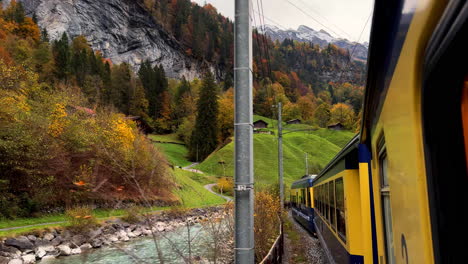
{"points": [[306, 181], [347, 158]]}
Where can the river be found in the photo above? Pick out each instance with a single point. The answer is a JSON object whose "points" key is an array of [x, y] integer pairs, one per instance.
{"points": [[144, 249]]}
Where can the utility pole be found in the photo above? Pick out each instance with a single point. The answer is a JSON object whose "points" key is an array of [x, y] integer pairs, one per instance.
{"points": [[243, 134], [280, 156]]}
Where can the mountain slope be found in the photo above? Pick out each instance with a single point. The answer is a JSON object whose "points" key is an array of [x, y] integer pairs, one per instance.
{"points": [[317, 145], [321, 37], [122, 30]]}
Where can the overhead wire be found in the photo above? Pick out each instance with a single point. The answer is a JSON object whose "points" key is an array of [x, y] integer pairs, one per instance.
{"points": [[265, 41], [313, 18], [257, 40], [308, 6], [346, 68]]}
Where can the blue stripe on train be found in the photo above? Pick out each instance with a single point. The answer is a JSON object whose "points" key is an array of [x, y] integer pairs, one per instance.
{"points": [[305, 216]]}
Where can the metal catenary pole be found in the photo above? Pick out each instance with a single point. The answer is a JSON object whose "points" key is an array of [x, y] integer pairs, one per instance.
{"points": [[244, 193], [280, 155]]}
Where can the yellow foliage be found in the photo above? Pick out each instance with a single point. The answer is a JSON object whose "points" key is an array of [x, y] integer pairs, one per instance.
{"points": [[267, 206], [58, 120]]}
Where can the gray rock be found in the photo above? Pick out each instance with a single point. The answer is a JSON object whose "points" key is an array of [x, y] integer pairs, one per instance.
{"points": [[4, 260], [78, 240], [95, 233], [76, 251], [86, 246], [47, 248], [64, 250], [47, 258], [29, 259], [137, 232], [56, 241], [16, 261], [27, 251], [112, 238], [40, 252], [48, 236], [7, 251], [124, 238], [32, 238], [96, 243], [21, 242]]}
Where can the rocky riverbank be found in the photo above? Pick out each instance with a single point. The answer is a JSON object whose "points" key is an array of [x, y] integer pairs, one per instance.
{"points": [[62, 242]]}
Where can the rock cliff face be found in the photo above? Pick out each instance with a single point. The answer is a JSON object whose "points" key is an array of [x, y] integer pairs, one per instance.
{"points": [[121, 29]]}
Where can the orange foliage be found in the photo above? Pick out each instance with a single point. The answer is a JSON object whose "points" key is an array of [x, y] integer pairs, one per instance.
{"points": [[5, 56], [29, 29]]}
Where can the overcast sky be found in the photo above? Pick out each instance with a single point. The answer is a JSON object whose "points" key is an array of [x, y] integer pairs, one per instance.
{"points": [[340, 18]]}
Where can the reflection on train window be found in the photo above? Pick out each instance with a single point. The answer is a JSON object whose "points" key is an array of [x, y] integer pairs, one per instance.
{"points": [[386, 207], [331, 193], [340, 208]]}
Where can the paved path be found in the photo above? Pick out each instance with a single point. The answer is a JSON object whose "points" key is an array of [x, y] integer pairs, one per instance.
{"points": [[26, 226], [209, 188], [189, 168]]}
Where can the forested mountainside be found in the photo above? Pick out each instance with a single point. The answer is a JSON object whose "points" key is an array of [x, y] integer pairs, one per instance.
{"points": [[185, 38]]}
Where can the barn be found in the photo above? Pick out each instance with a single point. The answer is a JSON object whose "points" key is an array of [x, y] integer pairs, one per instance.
{"points": [[260, 124], [337, 126]]}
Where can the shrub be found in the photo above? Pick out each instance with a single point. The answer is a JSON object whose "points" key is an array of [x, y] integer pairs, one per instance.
{"points": [[176, 212], [267, 207], [81, 219], [132, 215], [225, 186]]}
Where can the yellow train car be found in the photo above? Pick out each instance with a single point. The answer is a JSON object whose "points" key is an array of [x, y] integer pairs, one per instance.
{"points": [[397, 192]]}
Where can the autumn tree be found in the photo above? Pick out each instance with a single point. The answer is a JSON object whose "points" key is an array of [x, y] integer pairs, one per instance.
{"points": [[322, 114], [344, 114], [204, 139], [226, 115]]}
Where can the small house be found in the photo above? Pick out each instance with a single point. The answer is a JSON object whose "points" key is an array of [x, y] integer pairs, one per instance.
{"points": [[293, 121], [260, 124], [337, 126]]}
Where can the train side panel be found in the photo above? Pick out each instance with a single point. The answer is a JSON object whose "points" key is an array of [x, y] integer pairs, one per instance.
{"points": [[398, 168]]}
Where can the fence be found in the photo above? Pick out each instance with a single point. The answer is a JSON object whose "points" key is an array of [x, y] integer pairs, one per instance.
{"points": [[275, 255]]}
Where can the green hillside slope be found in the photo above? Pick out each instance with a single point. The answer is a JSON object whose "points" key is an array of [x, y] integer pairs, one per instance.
{"points": [[318, 144]]}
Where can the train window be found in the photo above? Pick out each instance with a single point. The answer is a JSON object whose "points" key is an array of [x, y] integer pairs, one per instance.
{"points": [[331, 193], [308, 201], [325, 200], [303, 196], [386, 206], [340, 208]]}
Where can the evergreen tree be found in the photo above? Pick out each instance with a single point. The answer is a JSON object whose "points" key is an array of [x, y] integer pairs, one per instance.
{"points": [[62, 57], [204, 139], [121, 87]]}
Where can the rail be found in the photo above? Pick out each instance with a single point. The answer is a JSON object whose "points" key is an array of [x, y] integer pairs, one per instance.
{"points": [[275, 255]]}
